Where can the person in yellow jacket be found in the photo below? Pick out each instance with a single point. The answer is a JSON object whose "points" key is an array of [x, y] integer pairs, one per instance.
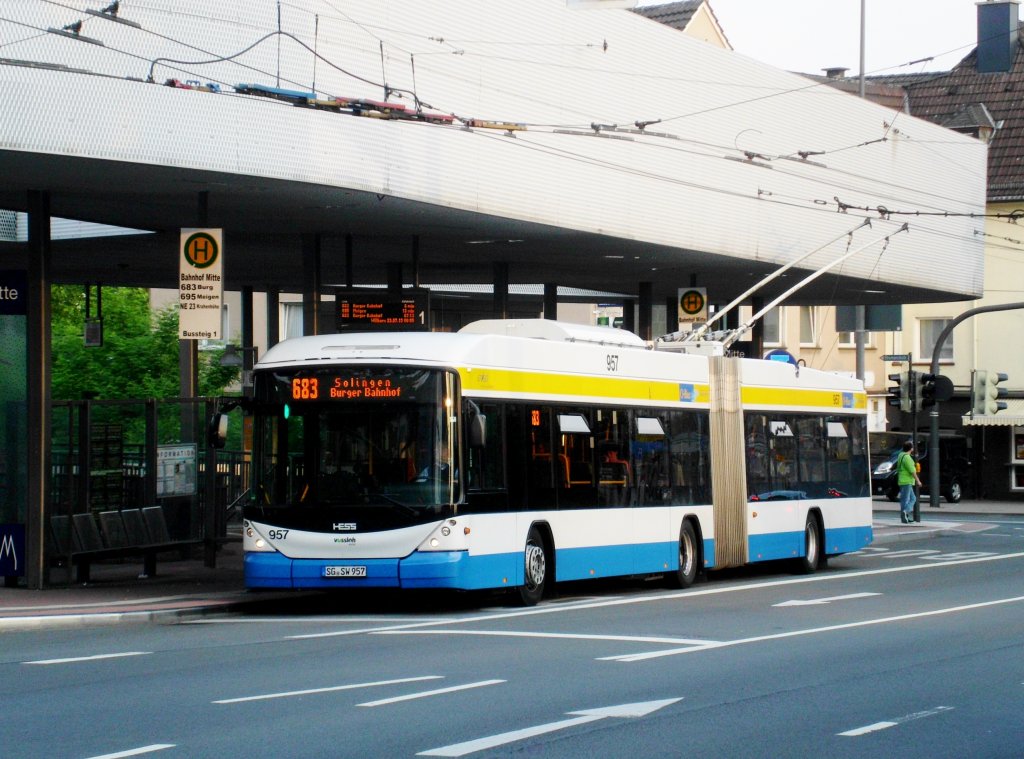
{"points": [[906, 478]]}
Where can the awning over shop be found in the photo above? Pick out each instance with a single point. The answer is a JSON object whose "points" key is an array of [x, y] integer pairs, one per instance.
{"points": [[1011, 416]]}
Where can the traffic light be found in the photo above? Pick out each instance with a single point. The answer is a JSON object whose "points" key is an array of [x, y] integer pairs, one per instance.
{"points": [[985, 393], [900, 394], [924, 390]]}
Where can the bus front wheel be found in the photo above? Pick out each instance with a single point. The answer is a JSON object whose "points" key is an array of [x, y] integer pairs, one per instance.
{"points": [[535, 564]]}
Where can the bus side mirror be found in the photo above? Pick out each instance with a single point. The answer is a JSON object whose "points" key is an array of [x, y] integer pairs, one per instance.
{"points": [[217, 432]]}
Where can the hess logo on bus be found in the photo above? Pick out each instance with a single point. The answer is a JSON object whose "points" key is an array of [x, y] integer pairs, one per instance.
{"points": [[344, 526]]}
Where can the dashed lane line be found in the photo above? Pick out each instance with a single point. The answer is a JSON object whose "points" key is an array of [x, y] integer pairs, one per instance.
{"points": [[884, 725], [429, 693], [95, 657], [136, 751], [330, 689], [567, 636]]}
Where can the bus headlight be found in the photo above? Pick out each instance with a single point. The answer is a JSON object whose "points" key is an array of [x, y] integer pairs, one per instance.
{"points": [[253, 541]]}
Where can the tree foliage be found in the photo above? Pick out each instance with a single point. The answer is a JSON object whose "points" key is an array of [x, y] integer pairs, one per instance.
{"points": [[139, 355]]}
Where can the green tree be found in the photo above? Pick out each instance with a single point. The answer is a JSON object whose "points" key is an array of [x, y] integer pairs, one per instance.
{"points": [[139, 355]]}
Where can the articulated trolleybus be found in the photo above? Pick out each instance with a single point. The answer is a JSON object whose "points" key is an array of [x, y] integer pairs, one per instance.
{"points": [[515, 454]]}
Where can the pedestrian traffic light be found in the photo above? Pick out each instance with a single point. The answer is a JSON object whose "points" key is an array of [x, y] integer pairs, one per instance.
{"points": [[985, 393], [900, 394]]}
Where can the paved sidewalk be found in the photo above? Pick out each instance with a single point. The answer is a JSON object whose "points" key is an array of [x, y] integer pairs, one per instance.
{"points": [[187, 589]]}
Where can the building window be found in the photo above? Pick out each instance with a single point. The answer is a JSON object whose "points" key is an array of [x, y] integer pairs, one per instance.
{"points": [[771, 322], [849, 340], [291, 320], [808, 325], [928, 331], [1017, 462]]}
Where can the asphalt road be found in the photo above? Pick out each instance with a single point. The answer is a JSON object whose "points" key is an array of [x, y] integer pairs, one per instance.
{"points": [[910, 650]]}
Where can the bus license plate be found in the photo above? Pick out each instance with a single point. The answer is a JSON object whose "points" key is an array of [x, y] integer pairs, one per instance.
{"points": [[344, 571]]}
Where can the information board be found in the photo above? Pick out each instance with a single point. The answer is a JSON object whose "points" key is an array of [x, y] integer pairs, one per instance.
{"points": [[176, 470], [381, 310]]}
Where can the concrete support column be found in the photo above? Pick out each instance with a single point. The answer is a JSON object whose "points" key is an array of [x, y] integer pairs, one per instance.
{"points": [[501, 289], [757, 331], [415, 260], [311, 246], [248, 356], [395, 276], [628, 315], [646, 307], [349, 270], [550, 300], [671, 314], [38, 395], [273, 317]]}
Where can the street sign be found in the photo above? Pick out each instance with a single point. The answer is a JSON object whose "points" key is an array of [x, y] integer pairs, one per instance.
{"points": [[693, 304], [200, 290], [896, 357]]}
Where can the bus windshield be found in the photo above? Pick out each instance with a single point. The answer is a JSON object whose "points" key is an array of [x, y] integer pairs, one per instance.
{"points": [[362, 437]]}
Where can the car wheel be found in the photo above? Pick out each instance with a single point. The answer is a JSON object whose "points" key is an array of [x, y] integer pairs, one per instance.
{"points": [[954, 492]]}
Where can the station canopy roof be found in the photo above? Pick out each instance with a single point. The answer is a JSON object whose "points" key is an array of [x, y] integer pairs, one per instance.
{"points": [[585, 147]]}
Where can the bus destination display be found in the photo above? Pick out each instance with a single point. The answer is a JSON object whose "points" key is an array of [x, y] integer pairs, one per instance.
{"points": [[333, 386], [381, 310]]}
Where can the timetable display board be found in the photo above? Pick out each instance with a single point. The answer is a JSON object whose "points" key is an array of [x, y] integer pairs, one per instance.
{"points": [[381, 310]]}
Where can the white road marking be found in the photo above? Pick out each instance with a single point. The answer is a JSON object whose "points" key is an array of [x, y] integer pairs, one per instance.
{"points": [[683, 595], [819, 601], [366, 630], [132, 602], [568, 636], [428, 693], [136, 751], [868, 729], [331, 689], [875, 727], [905, 553], [97, 657], [811, 631], [585, 716], [326, 619]]}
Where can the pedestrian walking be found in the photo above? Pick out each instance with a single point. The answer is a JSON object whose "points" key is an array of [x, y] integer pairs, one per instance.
{"points": [[906, 478]]}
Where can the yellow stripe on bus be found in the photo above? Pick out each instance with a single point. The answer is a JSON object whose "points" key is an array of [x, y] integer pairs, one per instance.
{"points": [[511, 381], [538, 383], [777, 396]]}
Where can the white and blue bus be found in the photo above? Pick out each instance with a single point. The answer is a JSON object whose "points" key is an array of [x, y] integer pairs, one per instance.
{"points": [[519, 453]]}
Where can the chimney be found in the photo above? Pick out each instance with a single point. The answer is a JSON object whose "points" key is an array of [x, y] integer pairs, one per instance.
{"points": [[835, 72], [997, 35]]}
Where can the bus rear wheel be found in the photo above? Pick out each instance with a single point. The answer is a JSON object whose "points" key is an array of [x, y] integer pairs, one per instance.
{"points": [[535, 565], [813, 556], [689, 559]]}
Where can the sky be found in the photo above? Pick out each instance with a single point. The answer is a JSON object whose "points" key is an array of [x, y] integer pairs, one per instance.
{"points": [[811, 35]]}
